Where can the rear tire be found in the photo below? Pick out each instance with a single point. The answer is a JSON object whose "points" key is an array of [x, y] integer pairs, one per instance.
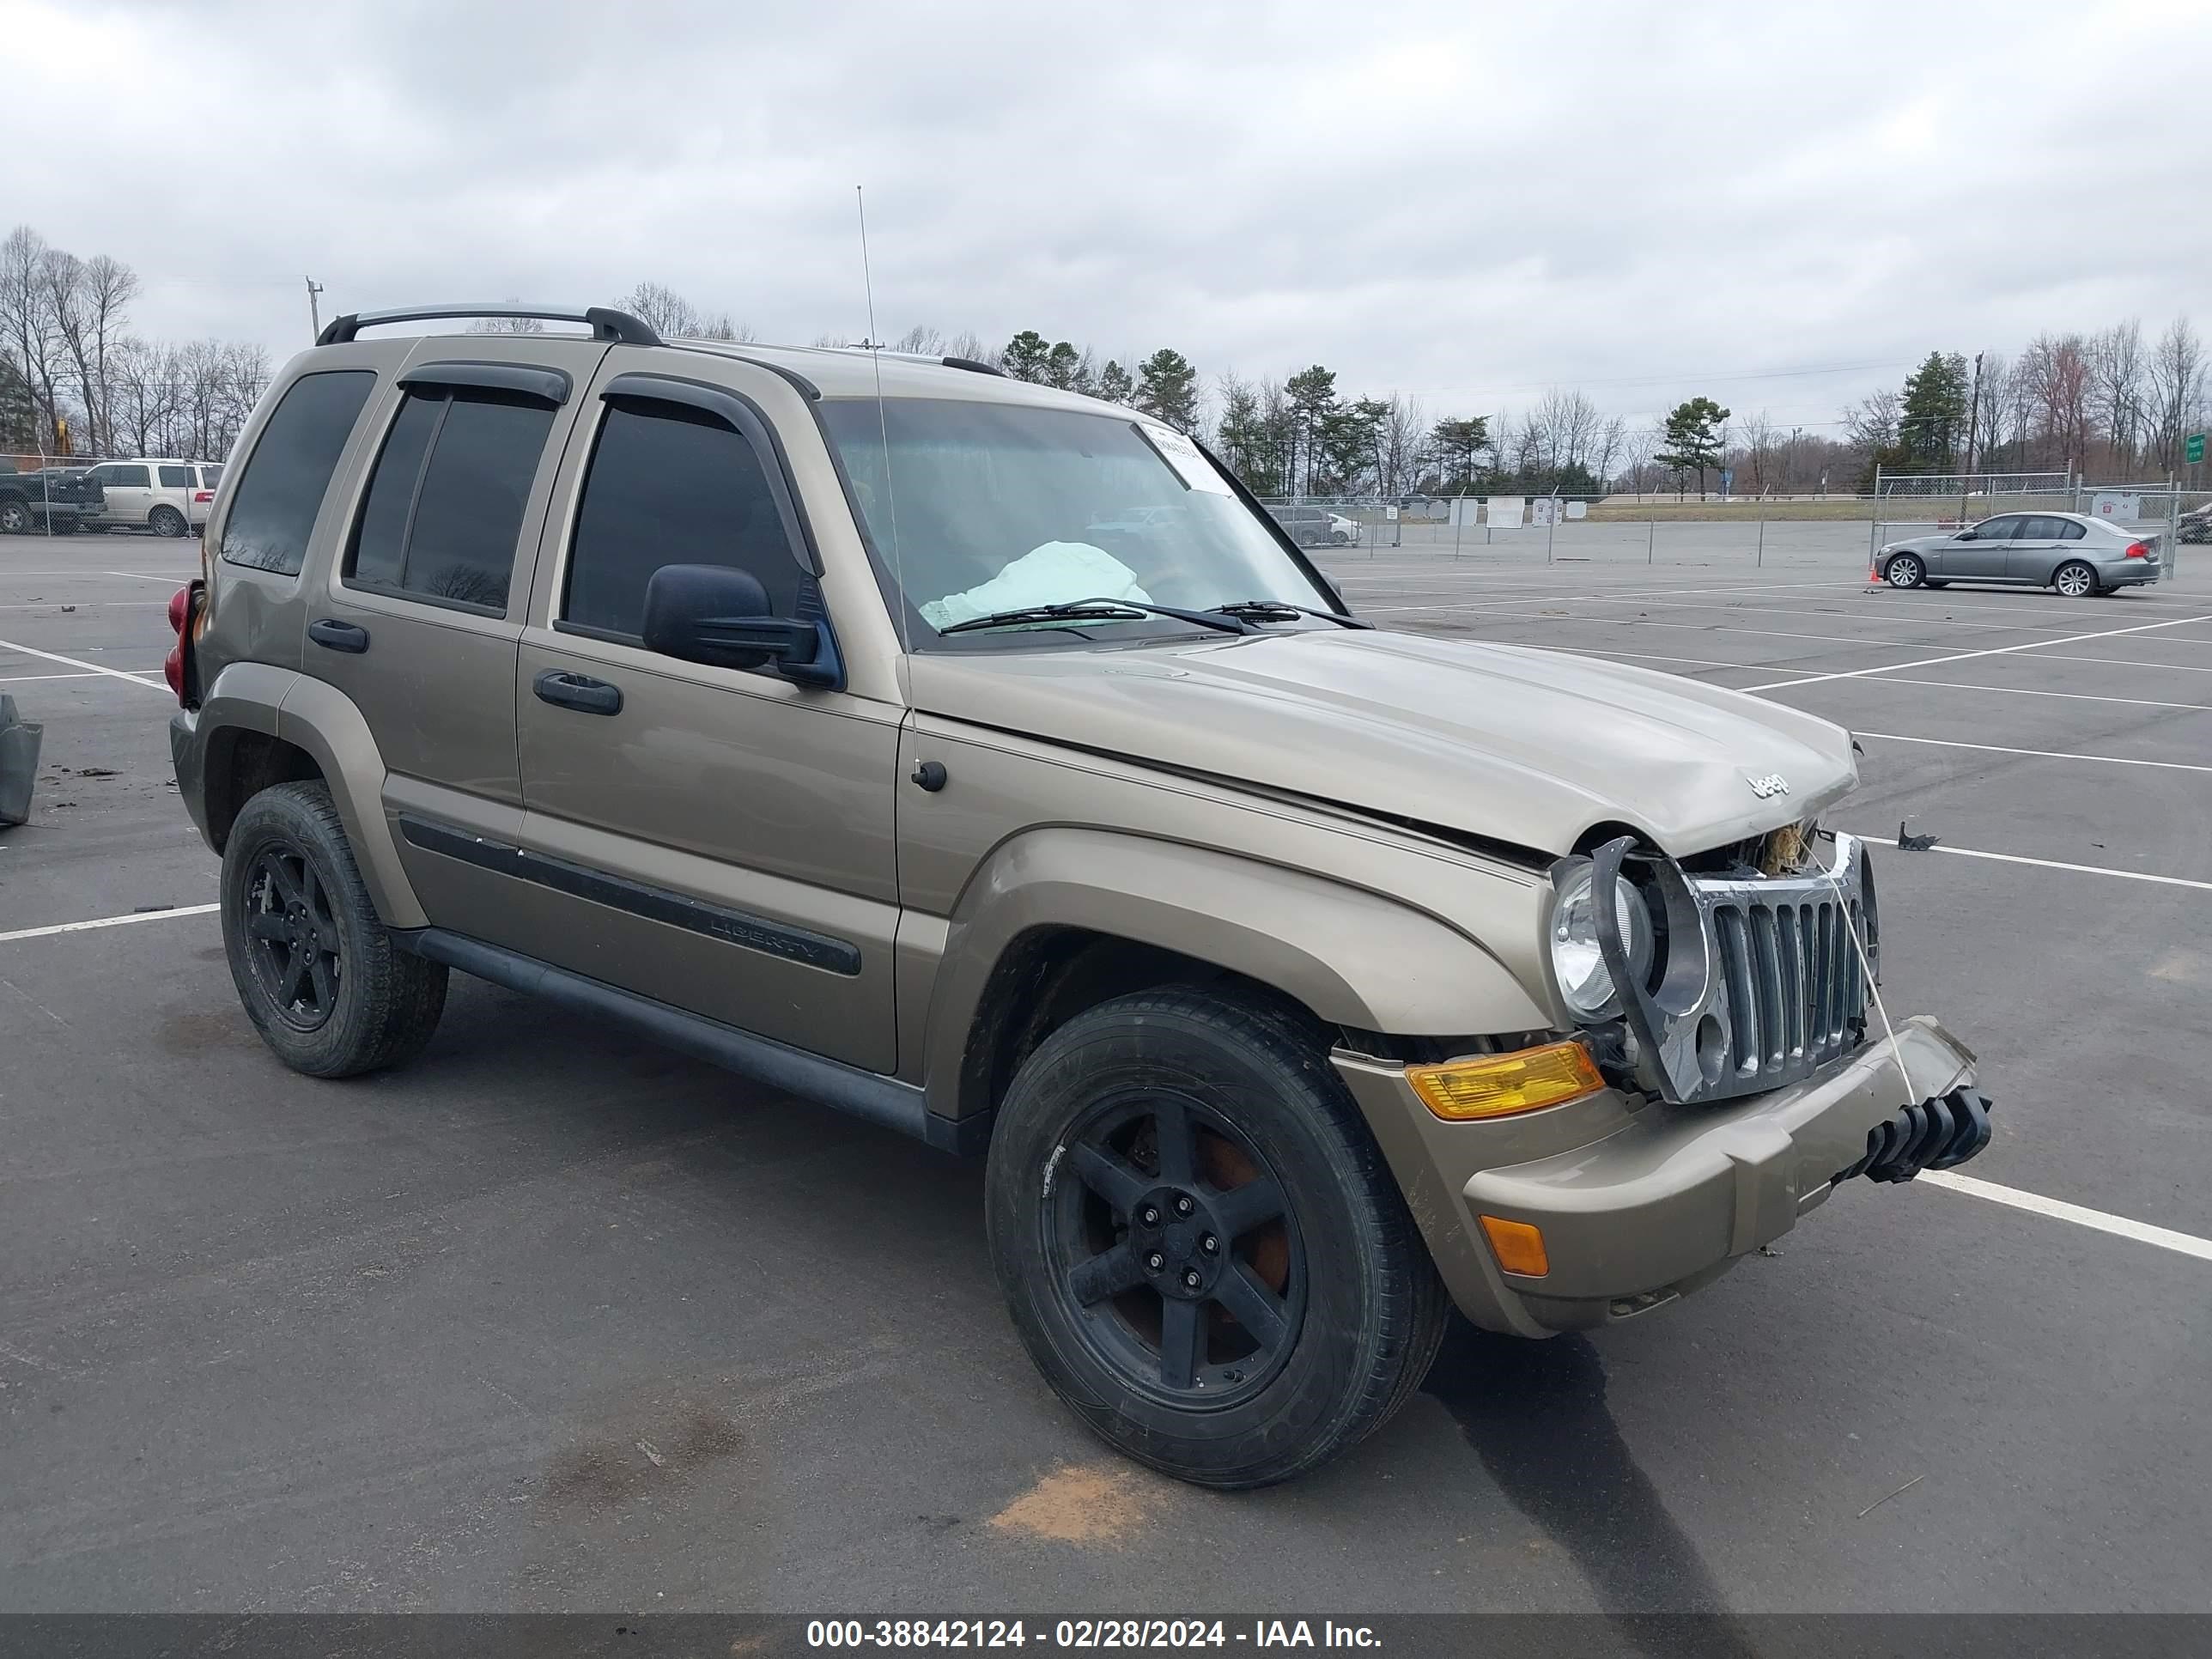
{"points": [[2075, 580], [1905, 570], [1140, 1130], [14, 519], [167, 522], [1932, 584], [318, 973]]}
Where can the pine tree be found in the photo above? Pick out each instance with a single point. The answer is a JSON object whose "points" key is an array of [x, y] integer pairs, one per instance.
{"points": [[1114, 385], [1167, 389], [1456, 445], [1694, 439], [1931, 424], [1026, 356]]}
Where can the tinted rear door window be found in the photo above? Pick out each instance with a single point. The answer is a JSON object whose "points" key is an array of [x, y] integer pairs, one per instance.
{"points": [[273, 511], [176, 477], [670, 485], [446, 503]]}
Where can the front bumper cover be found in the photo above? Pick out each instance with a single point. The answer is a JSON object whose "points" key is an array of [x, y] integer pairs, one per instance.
{"points": [[1639, 1203]]}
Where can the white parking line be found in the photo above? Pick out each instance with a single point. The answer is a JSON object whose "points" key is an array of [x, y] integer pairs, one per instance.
{"points": [[1993, 651], [145, 577], [2025, 691], [107, 921], [78, 662], [86, 604], [26, 679], [2056, 864], [2035, 1204], [2040, 754]]}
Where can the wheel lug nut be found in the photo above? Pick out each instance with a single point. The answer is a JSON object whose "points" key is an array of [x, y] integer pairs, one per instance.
{"points": [[1156, 1262], [1191, 1279], [1184, 1204], [1149, 1216], [1210, 1244]]}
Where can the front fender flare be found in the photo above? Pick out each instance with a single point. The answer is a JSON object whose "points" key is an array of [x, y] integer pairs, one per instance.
{"points": [[1352, 957]]}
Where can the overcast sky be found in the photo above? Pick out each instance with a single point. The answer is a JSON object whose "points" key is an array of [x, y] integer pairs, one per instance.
{"points": [[1469, 202]]}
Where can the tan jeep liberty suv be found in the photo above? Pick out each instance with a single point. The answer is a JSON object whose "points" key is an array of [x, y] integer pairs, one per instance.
{"points": [[981, 759]]}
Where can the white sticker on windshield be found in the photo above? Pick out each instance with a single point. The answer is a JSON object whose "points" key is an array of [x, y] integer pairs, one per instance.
{"points": [[1184, 456]]}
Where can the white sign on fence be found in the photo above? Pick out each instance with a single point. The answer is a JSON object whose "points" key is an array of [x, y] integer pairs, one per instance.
{"points": [[1577, 509], [1390, 513], [2105, 505], [1506, 512]]}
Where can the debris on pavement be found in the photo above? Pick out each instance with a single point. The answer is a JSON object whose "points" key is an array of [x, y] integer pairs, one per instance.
{"points": [[1914, 843]]}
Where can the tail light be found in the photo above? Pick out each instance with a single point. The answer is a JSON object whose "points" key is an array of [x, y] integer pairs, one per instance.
{"points": [[201, 497], [2139, 549], [172, 665]]}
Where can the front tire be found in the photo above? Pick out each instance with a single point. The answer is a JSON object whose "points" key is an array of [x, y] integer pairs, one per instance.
{"points": [[14, 519], [318, 973], [1200, 1243], [2074, 581], [1905, 570]]}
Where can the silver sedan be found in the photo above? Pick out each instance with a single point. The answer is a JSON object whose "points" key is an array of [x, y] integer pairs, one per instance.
{"points": [[2071, 552]]}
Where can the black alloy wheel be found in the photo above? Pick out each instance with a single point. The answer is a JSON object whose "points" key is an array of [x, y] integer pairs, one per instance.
{"points": [[292, 937], [1174, 1250]]}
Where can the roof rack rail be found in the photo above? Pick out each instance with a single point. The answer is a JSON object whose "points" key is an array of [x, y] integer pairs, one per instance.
{"points": [[606, 323], [974, 367]]}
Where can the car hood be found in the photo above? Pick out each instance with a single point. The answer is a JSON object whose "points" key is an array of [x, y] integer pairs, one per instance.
{"points": [[1516, 745], [1916, 544]]}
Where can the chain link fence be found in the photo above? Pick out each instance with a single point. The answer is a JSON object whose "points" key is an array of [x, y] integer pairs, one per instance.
{"points": [[49, 495]]}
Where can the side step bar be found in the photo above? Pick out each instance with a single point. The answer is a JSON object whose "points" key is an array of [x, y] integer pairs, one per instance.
{"points": [[879, 1099]]}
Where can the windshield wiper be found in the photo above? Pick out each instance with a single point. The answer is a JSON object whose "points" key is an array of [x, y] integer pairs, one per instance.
{"points": [[1283, 610], [1099, 610]]}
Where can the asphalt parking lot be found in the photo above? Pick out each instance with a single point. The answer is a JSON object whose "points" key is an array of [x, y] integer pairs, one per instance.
{"points": [[556, 1319]]}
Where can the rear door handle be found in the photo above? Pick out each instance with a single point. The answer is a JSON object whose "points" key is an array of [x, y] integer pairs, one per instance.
{"points": [[578, 691], [339, 635]]}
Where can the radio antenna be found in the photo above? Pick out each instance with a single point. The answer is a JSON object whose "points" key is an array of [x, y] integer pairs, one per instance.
{"points": [[875, 349]]}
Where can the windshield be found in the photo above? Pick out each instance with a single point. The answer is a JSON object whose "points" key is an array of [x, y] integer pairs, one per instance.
{"points": [[1004, 506]]}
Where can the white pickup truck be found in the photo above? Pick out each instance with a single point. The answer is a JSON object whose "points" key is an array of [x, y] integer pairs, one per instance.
{"points": [[167, 496]]}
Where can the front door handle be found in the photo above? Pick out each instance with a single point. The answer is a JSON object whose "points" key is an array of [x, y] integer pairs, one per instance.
{"points": [[339, 635], [578, 691]]}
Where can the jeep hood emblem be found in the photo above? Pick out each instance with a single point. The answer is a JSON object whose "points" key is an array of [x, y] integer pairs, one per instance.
{"points": [[1767, 787]]}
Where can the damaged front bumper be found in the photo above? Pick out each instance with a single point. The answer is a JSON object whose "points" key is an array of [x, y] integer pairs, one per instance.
{"points": [[1637, 1204]]}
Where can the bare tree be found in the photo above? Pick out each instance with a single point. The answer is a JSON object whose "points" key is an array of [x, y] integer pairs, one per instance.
{"points": [[1870, 424], [1757, 437], [1401, 438], [145, 379], [2116, 389], [89, 301], [27, 333], [672, 316], [1638, 446], [2179, 391], [2057, 370]]}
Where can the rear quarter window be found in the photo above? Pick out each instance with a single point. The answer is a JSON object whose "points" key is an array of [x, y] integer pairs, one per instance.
{"points": [[273, 512]]}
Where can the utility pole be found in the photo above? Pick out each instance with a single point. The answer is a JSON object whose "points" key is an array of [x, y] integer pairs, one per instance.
{"points": [[315, 311], [1973, 422]]}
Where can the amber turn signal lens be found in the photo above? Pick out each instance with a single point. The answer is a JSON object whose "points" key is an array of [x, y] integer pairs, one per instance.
{"points": [[1519, 1246], [1497, 1085]]}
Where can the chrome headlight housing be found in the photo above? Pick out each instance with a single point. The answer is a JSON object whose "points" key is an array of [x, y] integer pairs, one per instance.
{"points": [[1578, 956]]}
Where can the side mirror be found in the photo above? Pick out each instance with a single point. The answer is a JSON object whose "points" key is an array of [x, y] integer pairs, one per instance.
{"points": [[711, 614], [1963, 536]]}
